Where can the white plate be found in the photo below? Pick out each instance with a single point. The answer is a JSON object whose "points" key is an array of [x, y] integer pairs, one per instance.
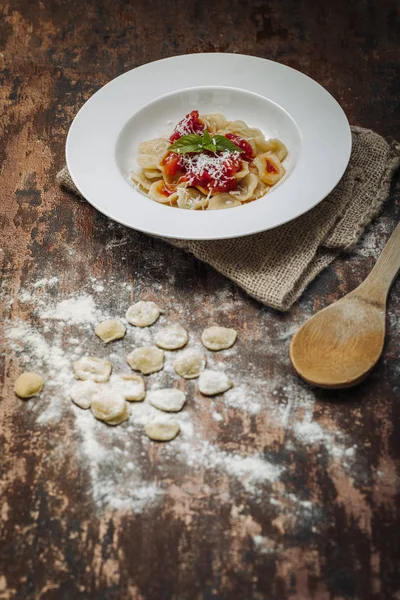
{"points": [[147, 102]]}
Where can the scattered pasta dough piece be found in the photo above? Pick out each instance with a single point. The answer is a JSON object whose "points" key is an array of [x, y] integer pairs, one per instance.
{"points": [[143, 314], [28, 384], [132, 387], [90, 367], [146, 359], [162, 431], [110, 330], [110, 407], [172, 337], [190, 363], [213, 382], [83, 392], [218, 338], [168, 399]]}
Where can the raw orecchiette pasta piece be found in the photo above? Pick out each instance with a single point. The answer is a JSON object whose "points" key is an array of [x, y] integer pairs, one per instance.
{"points": [[28, 384], [191, 199], [110, 330], [146, 359], [160, 193], [171, 337], [213, 382], [168, 399], [143, 314], [272, 145], [162, 431], [270, 169], [245, 188], [132, 387], [218, 338], [190, 363], [90, 367], [110, 407], [83, 392], [222, 201]]}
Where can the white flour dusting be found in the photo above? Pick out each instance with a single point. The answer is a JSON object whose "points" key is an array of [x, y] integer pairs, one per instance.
{"points": [[240, 396], [51, 282], [117, 458], [76, 310]]}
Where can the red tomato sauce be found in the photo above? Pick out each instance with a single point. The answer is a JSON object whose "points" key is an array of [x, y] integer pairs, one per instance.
{"points": [[190, 124], [243, 144]]}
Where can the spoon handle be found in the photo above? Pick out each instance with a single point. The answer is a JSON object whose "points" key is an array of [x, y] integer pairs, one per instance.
{"points": [[385, 271]]}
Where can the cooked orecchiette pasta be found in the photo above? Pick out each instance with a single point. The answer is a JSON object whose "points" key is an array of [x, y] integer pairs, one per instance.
{"points": [[208, 161], [222, 201], [191, 198], [270, 169]]}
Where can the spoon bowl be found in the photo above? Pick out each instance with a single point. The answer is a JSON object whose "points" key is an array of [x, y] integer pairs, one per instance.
{"points": [[341, 344]]}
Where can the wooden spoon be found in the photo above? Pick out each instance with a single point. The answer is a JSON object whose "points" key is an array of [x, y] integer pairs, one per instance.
{"points": [[342, 343]]}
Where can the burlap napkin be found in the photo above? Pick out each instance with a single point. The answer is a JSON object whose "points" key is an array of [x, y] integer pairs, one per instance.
{"points": [[276, 266]]}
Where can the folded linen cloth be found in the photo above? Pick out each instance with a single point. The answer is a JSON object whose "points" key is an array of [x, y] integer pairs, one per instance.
{"points": [[276, 266]]}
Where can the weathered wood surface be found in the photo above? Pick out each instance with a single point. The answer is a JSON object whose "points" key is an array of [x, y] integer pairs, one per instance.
{"points": [[328, 526]]}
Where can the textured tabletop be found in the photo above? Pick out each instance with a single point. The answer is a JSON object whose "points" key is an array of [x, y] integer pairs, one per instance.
{"points": [[273, 490]]}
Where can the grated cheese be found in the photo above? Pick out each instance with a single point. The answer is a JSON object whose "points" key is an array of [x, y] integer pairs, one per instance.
{"points": [[214, 164], [183, 127]]}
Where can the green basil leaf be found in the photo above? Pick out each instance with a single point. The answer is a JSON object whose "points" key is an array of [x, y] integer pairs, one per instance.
{"points": [[206, 137], [187, 143], [224, 144], [188, 148]]}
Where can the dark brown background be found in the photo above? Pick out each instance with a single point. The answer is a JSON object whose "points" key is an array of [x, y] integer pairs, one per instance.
{"points": [[55, 543]]}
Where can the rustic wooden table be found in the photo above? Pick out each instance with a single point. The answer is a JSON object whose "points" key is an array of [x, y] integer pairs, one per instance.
{"points": [[277, 491]]}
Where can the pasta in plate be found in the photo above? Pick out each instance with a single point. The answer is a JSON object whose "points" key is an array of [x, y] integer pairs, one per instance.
{"points": [[209, 163]]}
